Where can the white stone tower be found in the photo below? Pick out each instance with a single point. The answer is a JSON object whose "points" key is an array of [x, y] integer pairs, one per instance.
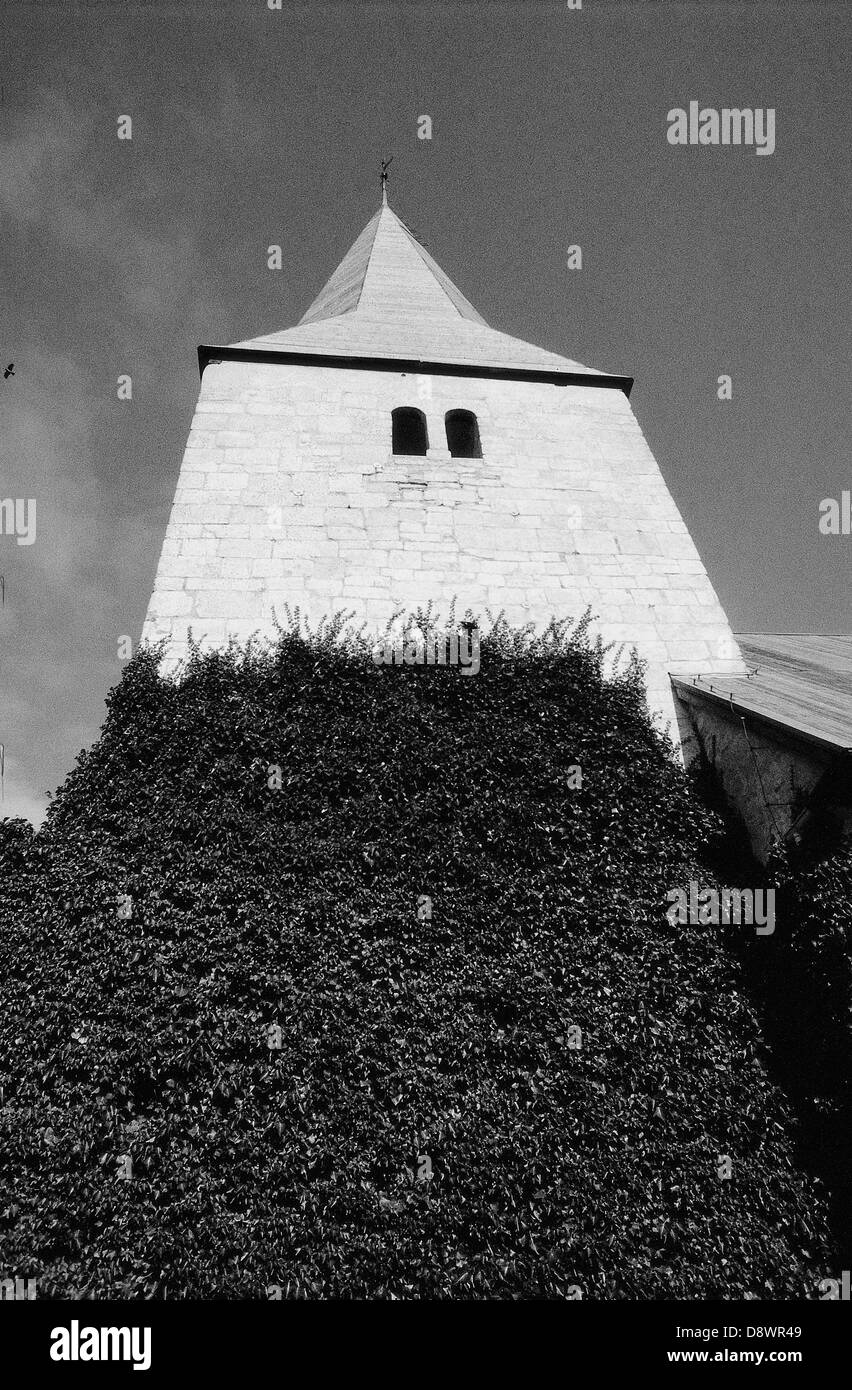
{"points": [[510, 478]]}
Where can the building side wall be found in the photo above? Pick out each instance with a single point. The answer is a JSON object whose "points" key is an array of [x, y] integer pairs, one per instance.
{"points": [[771, 779], [289, 493]]}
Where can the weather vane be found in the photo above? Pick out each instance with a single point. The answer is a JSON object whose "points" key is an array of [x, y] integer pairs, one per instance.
{"points": [[386, 163]]}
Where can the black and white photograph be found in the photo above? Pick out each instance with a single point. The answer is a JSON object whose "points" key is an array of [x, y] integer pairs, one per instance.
{"points": [[425, 677]]}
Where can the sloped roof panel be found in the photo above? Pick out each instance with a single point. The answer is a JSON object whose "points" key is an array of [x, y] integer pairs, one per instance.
{"points": [[389, 298]]}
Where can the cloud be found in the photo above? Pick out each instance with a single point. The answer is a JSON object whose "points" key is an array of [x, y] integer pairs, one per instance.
{"points": [[118, 263], [122, 230]]}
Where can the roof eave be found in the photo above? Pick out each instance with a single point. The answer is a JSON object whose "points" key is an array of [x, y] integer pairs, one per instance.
{"points": [[210, 353], [689, 685]]}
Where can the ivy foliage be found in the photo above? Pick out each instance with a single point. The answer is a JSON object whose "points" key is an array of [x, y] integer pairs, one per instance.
{"points": [[502, 1072]]}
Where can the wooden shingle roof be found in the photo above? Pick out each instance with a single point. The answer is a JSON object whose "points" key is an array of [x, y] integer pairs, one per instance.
{"points": [[800, 682], [388, 298]]}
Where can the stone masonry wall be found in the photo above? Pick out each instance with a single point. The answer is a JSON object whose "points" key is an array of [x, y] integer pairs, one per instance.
{"points": [[289, 492], [768, 775]]}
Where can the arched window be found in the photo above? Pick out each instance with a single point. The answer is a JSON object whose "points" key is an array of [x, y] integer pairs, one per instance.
{"points": [[409, 430], [463, 435]]}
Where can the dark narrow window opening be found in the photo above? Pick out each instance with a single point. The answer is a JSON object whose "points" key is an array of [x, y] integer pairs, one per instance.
{"points": [[463, 435], [409, 430]]}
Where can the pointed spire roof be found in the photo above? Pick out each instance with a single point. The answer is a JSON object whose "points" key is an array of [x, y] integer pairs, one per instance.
{"points": [[388, 298], [387, 273]]}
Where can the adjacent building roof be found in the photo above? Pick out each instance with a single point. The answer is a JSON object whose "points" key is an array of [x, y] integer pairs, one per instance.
{"points": [[800, 682], [388, 298]]}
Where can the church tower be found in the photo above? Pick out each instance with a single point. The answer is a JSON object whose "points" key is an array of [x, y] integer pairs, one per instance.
{"points": [[392, 448]]}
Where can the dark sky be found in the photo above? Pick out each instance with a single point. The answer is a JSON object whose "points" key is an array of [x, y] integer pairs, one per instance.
{"points": [[253, 127]]}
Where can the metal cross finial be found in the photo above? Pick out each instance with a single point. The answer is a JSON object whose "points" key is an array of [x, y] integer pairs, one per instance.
{"points": [[386, 163]]}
